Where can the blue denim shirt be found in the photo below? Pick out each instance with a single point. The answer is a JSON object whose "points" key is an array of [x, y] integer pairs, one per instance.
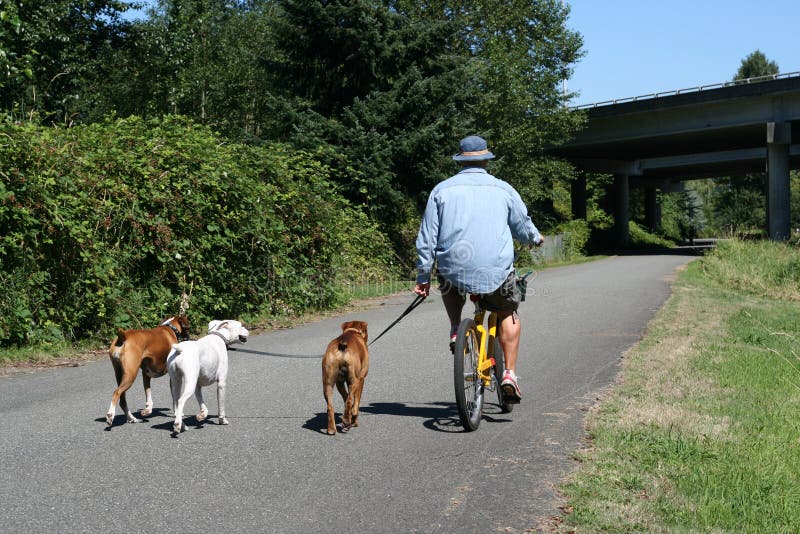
{"points": [[468, 229]]}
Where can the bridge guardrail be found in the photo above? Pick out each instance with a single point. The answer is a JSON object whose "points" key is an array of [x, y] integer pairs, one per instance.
{"points": [[697, 89]]}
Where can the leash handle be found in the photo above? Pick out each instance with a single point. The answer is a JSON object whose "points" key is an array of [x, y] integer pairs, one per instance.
{"points": [[417, 301]]}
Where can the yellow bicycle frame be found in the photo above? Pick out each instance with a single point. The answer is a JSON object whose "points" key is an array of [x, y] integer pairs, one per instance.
{"points": [[486, 337]]}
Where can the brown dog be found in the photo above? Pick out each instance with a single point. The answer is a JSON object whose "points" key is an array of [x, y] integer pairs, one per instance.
{"points": [[346, 363], [145, 349]]}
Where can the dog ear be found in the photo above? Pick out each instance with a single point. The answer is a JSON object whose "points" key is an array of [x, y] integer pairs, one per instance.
{"points": [[346, 325], [363, 327]]}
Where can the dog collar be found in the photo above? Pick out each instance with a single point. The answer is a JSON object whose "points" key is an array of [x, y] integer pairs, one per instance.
{"points": [[175, 331], [168, 323], [227, 343]]}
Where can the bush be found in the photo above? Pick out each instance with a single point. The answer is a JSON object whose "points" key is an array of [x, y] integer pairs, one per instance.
{"points": [[108, 224], [761, 267], [576, 236]]}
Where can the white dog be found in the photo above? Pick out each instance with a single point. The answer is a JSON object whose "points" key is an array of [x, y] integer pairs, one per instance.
{"points": [[194, 364]]}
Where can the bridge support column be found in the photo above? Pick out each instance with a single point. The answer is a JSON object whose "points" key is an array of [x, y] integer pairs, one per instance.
{"points": [[621, 195], [652, 208], [578, 197], [779, 136], [778, 186]]}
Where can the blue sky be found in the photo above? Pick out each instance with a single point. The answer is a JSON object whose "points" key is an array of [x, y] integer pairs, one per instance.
{"points": [[638, 47]]}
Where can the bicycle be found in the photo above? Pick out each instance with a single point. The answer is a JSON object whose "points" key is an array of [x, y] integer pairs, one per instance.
{"points": [[478, 364]]}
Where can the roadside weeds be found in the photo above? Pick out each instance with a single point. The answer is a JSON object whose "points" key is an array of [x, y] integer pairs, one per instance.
{"points": [[700, 431]]}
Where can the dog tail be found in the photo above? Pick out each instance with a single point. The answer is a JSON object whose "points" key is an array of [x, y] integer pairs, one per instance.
{"points": [[117, 346], [120, 337]]}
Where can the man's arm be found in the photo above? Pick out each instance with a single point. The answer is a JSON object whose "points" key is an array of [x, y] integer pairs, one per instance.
{"points": [[522, 227], [427, 239]]}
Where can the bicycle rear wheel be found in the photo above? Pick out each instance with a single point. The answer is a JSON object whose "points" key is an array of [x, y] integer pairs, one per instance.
{"points": [[469, 388], [498, 370]]}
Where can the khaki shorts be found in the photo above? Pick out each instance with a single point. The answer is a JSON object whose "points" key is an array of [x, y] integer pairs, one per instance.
{"points": [[505, 298]]}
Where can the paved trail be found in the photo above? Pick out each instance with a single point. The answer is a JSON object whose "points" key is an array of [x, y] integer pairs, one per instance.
{"points": [[408, 468]]}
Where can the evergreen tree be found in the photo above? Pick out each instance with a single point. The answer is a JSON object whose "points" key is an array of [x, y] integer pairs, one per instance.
{"points": [[755, 65], [738, 203]]}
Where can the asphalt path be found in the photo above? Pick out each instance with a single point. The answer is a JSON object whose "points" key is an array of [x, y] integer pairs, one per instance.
{"points": [[409, 467]]}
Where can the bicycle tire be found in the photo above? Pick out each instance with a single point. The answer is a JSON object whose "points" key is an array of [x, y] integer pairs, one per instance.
{"points": [[498, 370], [468, 388]]}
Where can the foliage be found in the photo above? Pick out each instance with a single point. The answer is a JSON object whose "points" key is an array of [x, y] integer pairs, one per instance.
{"points": [[682, 214], [576, 237], [763, 267], [641, 238], [520, 53], [356, 98], [107, 224], [736, 204], [51, 53], [754, 65]]}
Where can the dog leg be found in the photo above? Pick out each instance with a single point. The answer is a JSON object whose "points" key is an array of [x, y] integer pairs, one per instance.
{"points": [[357, 391], [327, 389], [221, 402], [182, 389], [347, 398], [125, 379], [148, 396], [355, 394], [198, 394]]}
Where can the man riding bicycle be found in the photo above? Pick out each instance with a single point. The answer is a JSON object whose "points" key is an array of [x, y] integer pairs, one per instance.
{"points": [[468, 229]]}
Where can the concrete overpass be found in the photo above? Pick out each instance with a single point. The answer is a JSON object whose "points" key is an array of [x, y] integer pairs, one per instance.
{"points": [[658, 140]]}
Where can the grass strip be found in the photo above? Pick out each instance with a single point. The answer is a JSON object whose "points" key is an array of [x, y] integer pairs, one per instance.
{"points": [[701, 431]]}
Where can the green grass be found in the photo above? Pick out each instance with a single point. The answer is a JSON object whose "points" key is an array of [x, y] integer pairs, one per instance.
{"points": [[702, 433]]}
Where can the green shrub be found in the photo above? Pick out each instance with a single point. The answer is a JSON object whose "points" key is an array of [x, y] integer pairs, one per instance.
{"points": [[639, 237], [576, 236], [108, 224]]}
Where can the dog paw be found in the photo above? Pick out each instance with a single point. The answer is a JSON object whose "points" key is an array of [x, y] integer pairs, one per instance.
{"points": [[223, 420], [202, 415], [145, 412], [331, 431], [132, 419]]}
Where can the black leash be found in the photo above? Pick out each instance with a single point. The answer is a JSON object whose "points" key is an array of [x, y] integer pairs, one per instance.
{"points": [[417, 301]]}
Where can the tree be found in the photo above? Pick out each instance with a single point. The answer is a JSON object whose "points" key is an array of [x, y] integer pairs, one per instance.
{"points": [[51, 52], [404, 80], [738, 203], [382, 87], [520, 52], [754, 65]]}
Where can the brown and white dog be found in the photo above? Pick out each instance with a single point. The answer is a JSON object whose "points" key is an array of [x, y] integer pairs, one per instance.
{"points": [[145, 349], [346, 363]]}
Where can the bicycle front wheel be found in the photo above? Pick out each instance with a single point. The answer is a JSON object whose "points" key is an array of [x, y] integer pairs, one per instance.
{"points": [[469, 388]]}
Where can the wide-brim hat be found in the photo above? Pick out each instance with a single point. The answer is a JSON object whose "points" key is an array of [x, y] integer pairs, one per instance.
{"points": [[473, 148]]}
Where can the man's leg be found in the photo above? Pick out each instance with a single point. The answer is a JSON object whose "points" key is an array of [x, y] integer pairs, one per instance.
{"points": [[510, 329], [453, 303]]}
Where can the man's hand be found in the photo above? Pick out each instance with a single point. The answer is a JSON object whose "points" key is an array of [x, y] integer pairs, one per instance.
{"points": [[423, 289]]}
